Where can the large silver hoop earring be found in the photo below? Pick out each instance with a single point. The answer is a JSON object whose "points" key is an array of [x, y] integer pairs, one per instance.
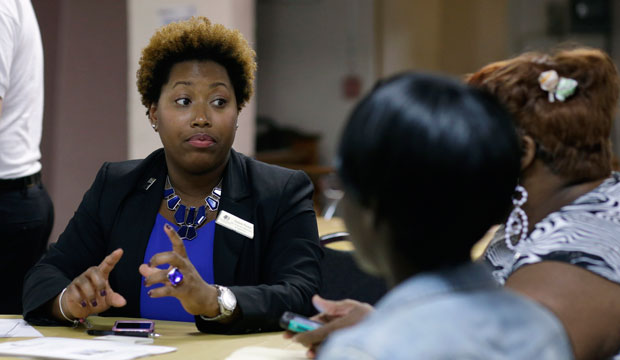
{"points": [[516, 226]]}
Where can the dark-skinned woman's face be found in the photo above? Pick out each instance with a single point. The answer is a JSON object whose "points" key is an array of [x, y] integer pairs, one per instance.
{"points": [[196, 116]]}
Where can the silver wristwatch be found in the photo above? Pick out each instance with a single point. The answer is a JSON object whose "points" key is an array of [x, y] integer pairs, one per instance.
{"points": [[227, 301]]}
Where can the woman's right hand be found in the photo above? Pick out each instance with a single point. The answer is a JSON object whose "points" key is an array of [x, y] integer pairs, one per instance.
{"points": [[335, 315], [90, 293]]}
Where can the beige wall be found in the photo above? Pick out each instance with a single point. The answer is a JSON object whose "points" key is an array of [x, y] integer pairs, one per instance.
{"points": [[448, 36], [144, 17], [305, 50], [408, 35], [460, 36], [473, 34]]}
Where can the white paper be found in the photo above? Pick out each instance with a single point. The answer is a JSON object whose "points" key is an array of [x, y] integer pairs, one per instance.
{"points": [[17, 328], [264, 353], [78, 349]]}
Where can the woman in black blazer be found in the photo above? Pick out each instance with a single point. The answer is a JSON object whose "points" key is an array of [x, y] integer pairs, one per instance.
{"points": [[241, 235]]}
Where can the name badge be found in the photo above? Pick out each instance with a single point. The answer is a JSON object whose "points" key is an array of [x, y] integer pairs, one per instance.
{"points": [[235, 224]]}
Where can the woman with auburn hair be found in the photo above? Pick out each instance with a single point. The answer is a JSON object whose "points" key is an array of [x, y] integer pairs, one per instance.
{"points": [[196, 231], [561, 243]]}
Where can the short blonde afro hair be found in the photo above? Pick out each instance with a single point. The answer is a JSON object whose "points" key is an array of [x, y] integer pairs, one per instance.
{"points": [[196, 39]]}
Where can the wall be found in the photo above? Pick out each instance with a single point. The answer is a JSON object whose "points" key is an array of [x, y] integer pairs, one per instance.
{"points": [[448, 36], [84, 44], [408, 35], [473, 33], [529, 23], [144, 17], [457, 37], [305, 49]]}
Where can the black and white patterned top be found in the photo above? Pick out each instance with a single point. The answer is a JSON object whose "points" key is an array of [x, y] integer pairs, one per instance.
{"points": [[585, 233]]}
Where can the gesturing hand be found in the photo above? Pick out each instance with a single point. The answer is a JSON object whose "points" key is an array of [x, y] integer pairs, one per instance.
{"points": [[90, 293], [335, 315], [196, 296]]}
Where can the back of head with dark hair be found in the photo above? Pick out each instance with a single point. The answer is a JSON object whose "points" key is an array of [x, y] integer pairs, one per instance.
{"points": [[436, 160]]}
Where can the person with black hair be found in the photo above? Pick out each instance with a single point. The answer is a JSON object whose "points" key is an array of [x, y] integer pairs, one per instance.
{"points": [[428, 165]]}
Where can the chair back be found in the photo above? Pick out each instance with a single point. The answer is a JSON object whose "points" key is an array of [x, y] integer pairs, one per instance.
{"points": [[343, 278]]}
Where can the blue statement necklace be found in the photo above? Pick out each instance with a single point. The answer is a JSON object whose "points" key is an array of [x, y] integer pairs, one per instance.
{"points": [[190, 219]]}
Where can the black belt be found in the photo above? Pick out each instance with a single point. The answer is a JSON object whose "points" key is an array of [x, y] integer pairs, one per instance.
{"points": [[20, 183]]}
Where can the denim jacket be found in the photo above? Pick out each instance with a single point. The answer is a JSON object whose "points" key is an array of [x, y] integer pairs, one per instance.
{"points": [[458, 313]]}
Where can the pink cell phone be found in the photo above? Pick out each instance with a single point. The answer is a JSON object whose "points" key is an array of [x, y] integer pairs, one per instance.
{"points": [[146, 326]]}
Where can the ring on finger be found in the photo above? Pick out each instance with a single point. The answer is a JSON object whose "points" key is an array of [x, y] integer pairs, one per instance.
{"points": [[175, 276]]}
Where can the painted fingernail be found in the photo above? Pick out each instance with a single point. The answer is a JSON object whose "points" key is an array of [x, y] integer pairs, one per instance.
{"points": [[83, 303], [103, 293], [94, 302], [168, 227], [149, 293]]}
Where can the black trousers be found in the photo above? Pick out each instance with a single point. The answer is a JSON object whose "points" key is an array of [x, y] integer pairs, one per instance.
{"points": [[26, 220]]}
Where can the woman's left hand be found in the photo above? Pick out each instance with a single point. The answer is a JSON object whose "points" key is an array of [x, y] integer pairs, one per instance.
{"points": [[196, 295]]}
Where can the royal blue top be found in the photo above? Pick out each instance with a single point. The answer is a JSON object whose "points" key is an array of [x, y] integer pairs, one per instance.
{"points": [[200, 253]]}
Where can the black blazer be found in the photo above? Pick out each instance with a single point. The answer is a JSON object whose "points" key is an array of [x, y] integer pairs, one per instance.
{"points": [[276, 271]]}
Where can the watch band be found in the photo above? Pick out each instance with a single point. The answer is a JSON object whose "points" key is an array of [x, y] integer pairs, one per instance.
{"points": [[225, 311]]}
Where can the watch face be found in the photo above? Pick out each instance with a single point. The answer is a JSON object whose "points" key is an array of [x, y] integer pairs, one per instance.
{"points": [[229, 301]]}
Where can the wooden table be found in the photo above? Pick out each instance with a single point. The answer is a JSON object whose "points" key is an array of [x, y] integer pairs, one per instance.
{"points": [[190, 343]]}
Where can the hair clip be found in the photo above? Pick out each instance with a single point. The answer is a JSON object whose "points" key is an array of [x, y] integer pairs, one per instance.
{"points": [[556, 86]]}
